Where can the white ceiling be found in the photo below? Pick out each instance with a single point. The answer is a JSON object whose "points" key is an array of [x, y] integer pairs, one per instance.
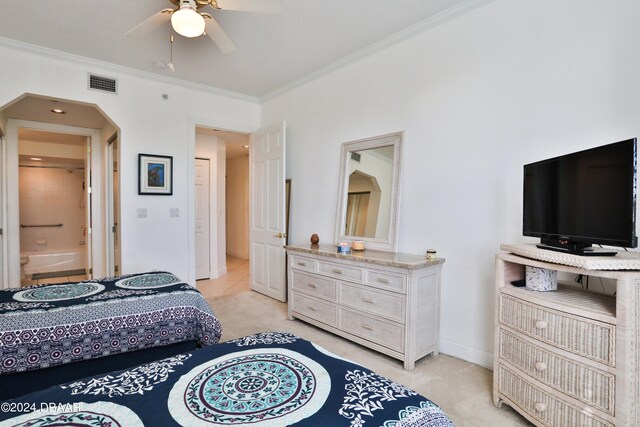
{"points": [[273, 51], [234, 142]]}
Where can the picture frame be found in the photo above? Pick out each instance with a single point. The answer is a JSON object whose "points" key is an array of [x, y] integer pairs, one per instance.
{"points": [[155, 175]]}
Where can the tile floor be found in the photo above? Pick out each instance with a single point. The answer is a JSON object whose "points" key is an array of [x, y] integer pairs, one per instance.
{"points": [[236, 280]]}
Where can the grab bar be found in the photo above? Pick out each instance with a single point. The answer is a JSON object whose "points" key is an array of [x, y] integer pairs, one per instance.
{"points": [[44, 225]]}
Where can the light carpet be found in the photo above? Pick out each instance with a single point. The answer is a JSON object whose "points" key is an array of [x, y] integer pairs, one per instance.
{"points": [[462, 389]]}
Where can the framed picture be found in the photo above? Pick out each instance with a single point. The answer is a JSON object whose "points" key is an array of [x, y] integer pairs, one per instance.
{"points": [[155, 175]]}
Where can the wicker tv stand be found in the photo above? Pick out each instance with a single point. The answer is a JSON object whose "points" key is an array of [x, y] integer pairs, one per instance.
{"points": [[568, 357]]}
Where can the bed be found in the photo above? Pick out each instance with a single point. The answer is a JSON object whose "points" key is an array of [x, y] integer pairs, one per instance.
{"points": [[99, 325], [267, 379]]}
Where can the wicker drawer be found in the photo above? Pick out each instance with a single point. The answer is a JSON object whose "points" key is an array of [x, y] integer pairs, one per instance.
{"points": [[543, 407], [314, 285], [300, 263], [586, 337], [589, 385], [340, 271], [324, 312], [383, 280], [381, 332], [372, 301]]}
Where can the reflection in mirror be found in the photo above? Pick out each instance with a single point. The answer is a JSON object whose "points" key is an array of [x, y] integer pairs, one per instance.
{"points": [[368, 196], [369, 192]]}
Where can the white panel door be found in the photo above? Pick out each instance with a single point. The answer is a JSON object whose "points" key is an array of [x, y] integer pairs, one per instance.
{"points": [[202, 219], [267, 212]]}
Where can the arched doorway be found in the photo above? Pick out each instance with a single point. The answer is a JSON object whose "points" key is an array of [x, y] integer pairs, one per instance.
{"points": [[46, 118]]}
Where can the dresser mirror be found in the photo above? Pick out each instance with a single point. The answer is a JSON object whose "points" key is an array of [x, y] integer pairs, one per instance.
{"points": [[369, 191]]}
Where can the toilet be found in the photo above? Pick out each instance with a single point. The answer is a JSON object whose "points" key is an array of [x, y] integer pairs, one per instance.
{"points": [[24, 259]]}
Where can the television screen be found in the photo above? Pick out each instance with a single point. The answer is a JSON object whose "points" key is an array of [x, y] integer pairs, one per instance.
{"points": [[583, 198]]}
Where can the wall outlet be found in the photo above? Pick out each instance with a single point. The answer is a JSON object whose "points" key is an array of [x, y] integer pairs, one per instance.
{"points": [[174, 212], [141, 213]]}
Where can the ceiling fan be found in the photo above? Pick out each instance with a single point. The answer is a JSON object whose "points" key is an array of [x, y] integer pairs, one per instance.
{"points": [[188, 20]]}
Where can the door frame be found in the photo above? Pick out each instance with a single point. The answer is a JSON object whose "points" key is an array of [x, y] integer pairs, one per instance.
{"points": [[208, 220], [11, 258], [4, 271], [113, 199], [193, 123]]}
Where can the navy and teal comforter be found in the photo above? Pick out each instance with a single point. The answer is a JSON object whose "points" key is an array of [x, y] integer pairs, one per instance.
{"points": [[268, 379], [51, 325]]}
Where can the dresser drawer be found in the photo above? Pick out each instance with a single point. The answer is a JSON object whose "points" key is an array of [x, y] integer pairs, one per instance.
{"points": [[340, 271], [301, 263], [323, 311], [579, 335], [587, 384], [384, 280], [314, 285], [372, 301], [545, 408], [384, 333]]}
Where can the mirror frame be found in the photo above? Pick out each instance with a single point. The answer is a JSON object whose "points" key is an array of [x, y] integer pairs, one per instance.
{"points": [[388, 243]]}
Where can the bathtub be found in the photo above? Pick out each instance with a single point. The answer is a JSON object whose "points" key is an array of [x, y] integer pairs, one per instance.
{"points": [[47, 262]]}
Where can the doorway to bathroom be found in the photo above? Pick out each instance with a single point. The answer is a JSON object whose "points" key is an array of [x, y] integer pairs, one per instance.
{"points": [[102, 237], [54, 207]]}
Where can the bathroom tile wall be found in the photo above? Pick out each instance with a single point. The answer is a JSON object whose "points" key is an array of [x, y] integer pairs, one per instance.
{"points": [[51, 196]]}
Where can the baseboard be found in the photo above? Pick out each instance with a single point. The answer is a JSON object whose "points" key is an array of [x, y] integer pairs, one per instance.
{"points": [[222, 271], [467, 353], [238, 254]]}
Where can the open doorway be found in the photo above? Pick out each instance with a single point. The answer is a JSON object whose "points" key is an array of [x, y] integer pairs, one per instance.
{"points": [[53, 209], [84, 128], [222, 210]]}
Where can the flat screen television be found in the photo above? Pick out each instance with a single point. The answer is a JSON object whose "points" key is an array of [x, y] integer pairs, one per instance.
{"points": [[574, 201]]}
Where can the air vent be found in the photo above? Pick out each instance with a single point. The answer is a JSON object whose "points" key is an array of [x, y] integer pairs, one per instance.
{"points": [[355, 156], [104, 84]]}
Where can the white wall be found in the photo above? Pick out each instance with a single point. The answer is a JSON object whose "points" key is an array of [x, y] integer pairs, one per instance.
{"points": [[148, 124], [511, 82]]}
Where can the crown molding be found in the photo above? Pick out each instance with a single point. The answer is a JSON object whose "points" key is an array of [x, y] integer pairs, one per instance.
{"points": [[409, 32], [412, 31], [103, 65]]}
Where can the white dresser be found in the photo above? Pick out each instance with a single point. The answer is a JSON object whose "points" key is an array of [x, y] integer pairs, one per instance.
{"points": [[387, 301], [568, 357]]}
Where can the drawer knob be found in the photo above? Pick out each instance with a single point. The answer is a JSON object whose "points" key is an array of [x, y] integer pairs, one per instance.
{"points": [[312, 285], [312, 308], [337, 271], [367, 327], [383, 280], [541, 366], [541, 324], [369, 300], [540, 407], [302, 264]]}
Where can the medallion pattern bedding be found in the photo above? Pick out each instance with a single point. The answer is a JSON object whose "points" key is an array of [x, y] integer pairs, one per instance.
{"points": [[51, 325], [268, 379]]}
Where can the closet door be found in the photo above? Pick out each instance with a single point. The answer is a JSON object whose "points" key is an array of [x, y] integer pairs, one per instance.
{"points": [[202, 220]]}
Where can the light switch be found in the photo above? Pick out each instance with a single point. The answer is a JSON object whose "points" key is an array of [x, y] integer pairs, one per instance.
{"points": [[174, 212], [141, 213]]}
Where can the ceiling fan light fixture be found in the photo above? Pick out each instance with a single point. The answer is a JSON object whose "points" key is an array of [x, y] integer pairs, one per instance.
{"points": [[187, 22]]}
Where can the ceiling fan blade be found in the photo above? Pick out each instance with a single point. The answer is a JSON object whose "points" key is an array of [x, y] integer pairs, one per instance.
{"points": [[149, 24], [260, 6], [219, 37]]}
